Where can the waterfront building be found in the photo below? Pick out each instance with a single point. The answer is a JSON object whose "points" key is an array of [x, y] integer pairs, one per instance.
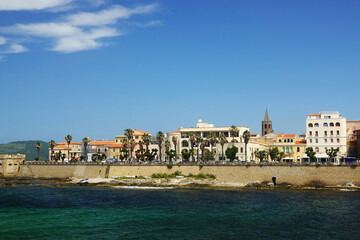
{"points": [[326, 130], [75, 150], [203, 130], [99, 147], [266, 125], [292, 146], [115, 151]]}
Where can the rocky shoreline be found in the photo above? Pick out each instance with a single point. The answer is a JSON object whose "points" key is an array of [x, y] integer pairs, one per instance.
{"points": [[168, 183]]}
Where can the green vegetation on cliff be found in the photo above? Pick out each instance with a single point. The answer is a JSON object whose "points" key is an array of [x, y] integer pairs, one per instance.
{"points": [[26, 147]]}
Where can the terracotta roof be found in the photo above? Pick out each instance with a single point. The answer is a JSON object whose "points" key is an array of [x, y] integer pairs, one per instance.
{"points": [[286, 135], [140, 132], [61, 147], [316, 114], [116, 145], [175, 131], [253, 134], [301, 142], [100, 143]]}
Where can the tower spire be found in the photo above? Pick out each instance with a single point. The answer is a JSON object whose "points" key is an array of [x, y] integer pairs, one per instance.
{"points": [[266, 118]]}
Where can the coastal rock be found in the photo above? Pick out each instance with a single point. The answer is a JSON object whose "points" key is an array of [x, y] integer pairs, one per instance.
{"points": [[350, 185]]}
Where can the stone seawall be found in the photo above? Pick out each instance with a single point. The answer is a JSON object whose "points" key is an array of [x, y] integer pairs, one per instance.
{"points": [[230, 175]]}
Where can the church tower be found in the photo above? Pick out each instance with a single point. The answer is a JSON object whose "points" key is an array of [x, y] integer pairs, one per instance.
{"points": [[266, 125]]}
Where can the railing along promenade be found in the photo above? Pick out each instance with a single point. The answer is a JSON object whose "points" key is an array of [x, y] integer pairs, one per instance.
{"points": [[180, 164]]}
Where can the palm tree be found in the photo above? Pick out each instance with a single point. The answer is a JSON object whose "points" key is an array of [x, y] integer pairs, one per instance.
{"points": [[222, 140], [212, 139], [132, 145], [86, 142], [246, 136], [160, 138], [68, 139], [198, 140], [167, 145], [52, 144], [192, 143], [129, 134], [147, 140], [203, 143], [38, 147], [141, 146], [233, 130], [174, 141], [125, 142]]}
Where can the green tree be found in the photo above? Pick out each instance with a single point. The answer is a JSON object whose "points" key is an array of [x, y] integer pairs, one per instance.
{"points": [[246, 136], [38, 146], [198, 140], [171, 154], [86, 142], [274, 153], [68, 139], [209, 156], [212, 138], [311, 154], [167, 145], [231, 153], [260, 155], [185, 155], [160, 138], [129, 135], [332, 153], [174, 141], [203, 143], [147, 140], [52, 144], [222, 140], [233, 130], [150, 155], [132, 145], [192, 139]]}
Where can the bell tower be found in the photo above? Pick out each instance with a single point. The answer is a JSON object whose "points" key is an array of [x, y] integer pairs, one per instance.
{"points": [[266, 125]]}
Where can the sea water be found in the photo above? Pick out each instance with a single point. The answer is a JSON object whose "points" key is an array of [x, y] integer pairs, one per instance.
{"points": [[37, 212]]}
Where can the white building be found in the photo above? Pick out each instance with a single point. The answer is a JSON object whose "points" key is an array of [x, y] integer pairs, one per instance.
{"points": [[183, 139], [326, 130]]}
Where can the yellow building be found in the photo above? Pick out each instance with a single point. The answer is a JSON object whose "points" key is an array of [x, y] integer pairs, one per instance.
{"points": [[115, 151], [292, 146]]}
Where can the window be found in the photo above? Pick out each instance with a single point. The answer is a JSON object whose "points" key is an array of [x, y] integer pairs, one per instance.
{"points": [[265, 125], [316, 140], [338, 140], [113, 149], [337, 132], [316, 149], [316, 133], [310, 140], [331, 132], [325, 125], [325, 140], [136, 137], [298, 149], [325, 133], [332, 140], [291, 149], [292, 140], [337, 124], [310, 133], [310, 125], [279, 140], [241, 150], [185, 143], [287, 149], [327, 117], [316, 125], [331, 124]]}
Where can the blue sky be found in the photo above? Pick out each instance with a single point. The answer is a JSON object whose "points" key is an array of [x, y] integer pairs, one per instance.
{"points": [[93, 68]]}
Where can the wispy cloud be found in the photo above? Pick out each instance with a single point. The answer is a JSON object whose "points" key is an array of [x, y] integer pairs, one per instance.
{"points": [[150, 24], [17, 5], [79, 31], [2, 40], [15, 48]]}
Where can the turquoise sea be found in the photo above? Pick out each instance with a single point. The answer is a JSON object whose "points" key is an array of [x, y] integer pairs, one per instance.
{"points": [[37, 212]]}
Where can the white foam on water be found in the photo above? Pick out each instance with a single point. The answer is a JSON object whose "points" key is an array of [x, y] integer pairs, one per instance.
{"points": [[347, 190], [137, 187]]}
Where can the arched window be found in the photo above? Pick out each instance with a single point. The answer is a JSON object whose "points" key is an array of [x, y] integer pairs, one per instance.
{"points": [[310, 125], [265, 125], [241, 150], [316, 149], [316, 125], [185, 143], [325, 125], [331, 124], [337, 124]]}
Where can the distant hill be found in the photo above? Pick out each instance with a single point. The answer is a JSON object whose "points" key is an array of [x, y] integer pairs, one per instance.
{"points": [[26, 147]]}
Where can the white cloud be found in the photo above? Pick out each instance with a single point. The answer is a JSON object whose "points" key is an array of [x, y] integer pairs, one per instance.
{"points": [[16, 48], [31, 4], [149, 24], [80, 31], [84, 41], [2, 40], [109, 16], [44, 29]]}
